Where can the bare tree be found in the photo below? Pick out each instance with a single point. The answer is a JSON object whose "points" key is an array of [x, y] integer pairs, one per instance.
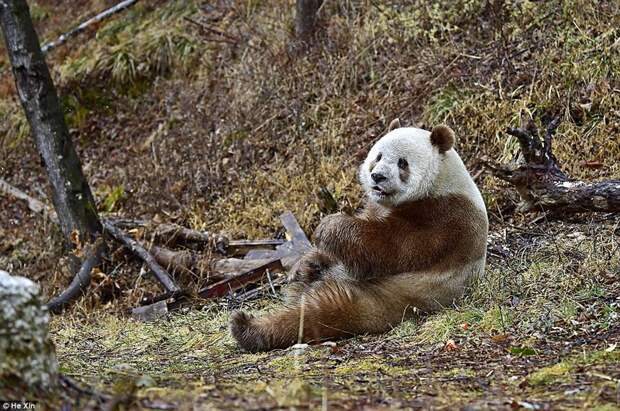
{"points": [[306, 18], [71, 195]]}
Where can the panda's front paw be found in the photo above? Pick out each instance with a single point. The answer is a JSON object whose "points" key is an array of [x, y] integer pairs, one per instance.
{"points": [[309, 268]]}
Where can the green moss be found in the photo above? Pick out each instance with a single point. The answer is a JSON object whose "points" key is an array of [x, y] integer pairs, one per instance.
{"points": [[457, 373], [550, 374], [370, 365]]}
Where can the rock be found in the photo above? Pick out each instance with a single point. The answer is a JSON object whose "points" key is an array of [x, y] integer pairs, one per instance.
{"points": [[151, 312], [27, 357]]}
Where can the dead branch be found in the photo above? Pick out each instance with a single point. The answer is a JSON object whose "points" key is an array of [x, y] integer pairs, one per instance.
{"points": [[241, 247], [81, 280], [235, 266], [224, 36], [183, 261], [33, 204], [123, 5], [543, 186], [174, 233], [160, 273]]}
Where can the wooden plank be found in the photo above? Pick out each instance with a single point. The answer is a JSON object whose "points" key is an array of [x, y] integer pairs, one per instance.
{"points": [[294, 232], [224, 287]]}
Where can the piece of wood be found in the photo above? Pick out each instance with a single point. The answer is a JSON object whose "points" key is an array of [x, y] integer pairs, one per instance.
{"points": [[306, 18], [236, 266], [174, 233], [294, 232], [84, 25], [71, 195], [33, 204], [160, 273], [225, 287], [183, 261], [240, 247], [543, 186]]}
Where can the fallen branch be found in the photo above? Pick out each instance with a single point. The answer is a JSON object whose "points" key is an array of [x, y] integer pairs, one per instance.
{"points": [[173, 233], [160, 273], [252, 270], [224, 37], [543, 186], [33, 204], [81, 280], [83, 26], [180, 261]]}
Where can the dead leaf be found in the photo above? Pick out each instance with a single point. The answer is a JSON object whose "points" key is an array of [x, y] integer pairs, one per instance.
{"points": [[450, 345], [500, 338], [591, 164]]}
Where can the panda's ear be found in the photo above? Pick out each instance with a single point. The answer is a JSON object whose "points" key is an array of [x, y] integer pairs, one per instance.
{"points": [[442, 137], [394, 124]]}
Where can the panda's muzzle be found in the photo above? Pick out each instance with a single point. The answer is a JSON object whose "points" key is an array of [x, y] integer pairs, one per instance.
{"points": [[381, 191]]}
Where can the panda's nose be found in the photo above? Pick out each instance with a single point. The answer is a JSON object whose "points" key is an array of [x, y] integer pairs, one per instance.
{"points": [[377, 177]]}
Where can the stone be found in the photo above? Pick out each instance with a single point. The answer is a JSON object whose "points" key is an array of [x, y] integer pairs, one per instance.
{"points": [[27, 356]]}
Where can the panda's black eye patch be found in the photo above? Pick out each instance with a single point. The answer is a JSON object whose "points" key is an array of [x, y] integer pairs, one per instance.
{"points": [[379, 157], [402, 163]]}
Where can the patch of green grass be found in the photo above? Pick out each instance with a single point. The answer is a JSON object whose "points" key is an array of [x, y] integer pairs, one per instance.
{"points": [[439, 327], [111, 197]]}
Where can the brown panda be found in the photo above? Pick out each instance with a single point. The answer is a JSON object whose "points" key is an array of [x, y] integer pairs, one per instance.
{"points": [[419, 239]]}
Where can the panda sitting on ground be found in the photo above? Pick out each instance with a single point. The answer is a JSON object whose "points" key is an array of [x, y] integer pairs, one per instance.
{"points": [[419, 239]]}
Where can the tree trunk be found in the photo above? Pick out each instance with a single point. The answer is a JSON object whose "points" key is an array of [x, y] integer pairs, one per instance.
{"points": [[72, 197], [305, 18]]}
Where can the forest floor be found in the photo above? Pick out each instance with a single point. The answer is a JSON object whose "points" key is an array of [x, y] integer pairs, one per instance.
{"points": [[175, 123], [540, 331]]}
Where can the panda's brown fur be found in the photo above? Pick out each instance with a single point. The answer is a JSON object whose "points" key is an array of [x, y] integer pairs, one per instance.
{"points": [[371, 271]]}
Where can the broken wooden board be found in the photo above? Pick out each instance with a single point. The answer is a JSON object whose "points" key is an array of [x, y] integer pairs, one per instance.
{"points": [[227, 286], [290, 251], [294, 232], [244, 247]]}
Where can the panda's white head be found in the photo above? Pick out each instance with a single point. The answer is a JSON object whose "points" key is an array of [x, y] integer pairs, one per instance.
{"points": [[404, 164]]}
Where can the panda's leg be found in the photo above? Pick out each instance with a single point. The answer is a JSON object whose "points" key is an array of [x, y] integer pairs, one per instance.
{"points": [[328, 309]]}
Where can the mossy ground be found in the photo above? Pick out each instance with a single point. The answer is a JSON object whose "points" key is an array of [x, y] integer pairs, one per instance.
{"points": [[179, 125]]}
